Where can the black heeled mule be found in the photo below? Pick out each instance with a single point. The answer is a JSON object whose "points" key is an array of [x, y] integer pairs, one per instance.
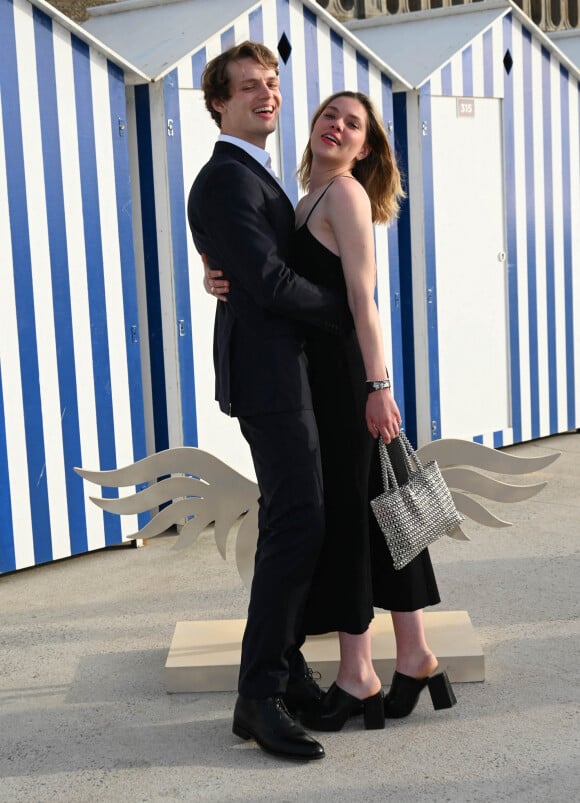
{"points": [[405, 691], [338, 705]]}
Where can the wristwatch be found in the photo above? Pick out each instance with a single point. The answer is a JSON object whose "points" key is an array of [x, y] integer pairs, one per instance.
{"points": [[378, 384]]}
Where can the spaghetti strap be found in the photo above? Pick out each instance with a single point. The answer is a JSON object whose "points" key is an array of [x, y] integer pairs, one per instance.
{"points": [[319, 199]]}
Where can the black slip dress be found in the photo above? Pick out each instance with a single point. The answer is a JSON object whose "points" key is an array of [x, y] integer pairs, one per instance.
{"points": [[355, 571]]}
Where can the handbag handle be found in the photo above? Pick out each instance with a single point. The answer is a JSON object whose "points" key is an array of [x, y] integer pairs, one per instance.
{"points": [[412, 461]]}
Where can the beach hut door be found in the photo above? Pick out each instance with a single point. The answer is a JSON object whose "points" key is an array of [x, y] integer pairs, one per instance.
{"points": [[470, 266]]}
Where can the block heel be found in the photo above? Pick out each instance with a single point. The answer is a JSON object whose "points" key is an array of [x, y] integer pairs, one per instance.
{"points": [[374, 712], [441, 691]]}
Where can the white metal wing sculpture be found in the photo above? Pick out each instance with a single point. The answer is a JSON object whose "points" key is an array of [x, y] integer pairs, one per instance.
{"points": [[200, 489]]}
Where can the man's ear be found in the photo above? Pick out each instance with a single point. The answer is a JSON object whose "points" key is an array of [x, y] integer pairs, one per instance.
{"points": [[217, 105]]}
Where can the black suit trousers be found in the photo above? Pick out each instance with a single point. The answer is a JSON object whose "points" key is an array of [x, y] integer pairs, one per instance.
{"points": [[286, 456]]}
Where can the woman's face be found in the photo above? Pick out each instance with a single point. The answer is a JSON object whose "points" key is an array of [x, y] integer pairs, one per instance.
{"points": [[339, 134]]}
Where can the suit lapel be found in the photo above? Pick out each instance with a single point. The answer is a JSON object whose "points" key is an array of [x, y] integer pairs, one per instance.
{"points": [[241, 156]]}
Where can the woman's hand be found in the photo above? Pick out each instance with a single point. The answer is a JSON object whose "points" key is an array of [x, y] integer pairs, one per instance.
{"points": [[382, 415], [212, 281]]}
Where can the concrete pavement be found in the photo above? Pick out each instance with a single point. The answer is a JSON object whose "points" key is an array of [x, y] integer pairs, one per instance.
{"points": [[84, 716]]}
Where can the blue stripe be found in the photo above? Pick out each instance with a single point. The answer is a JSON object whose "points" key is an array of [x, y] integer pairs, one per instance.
{"points": [[478, 439], [180, 262], [228, 38], [530, 229], [127, 259], [488, 63], [95, 273], [512, 251], [7, 552], [394, 280], [20, 237], [405, 272], [498, 439], [287, 118], [446, 82], [568, 238], [59, 265], [362, 74], [198, 62], [311, 55], [336, 61], [549, 226], [430, 264], [256, 26], [467, 69], [151, 260]]}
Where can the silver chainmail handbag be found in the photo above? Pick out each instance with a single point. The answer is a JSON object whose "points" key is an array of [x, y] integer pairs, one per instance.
{"points": [[413, 515]]}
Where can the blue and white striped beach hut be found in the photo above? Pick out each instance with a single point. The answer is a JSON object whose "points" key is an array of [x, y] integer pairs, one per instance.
{"points": [[491, 246], [70, 377], [172, 135]]}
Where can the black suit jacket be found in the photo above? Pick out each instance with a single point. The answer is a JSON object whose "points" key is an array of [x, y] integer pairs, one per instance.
{"points": [[243, 221]]}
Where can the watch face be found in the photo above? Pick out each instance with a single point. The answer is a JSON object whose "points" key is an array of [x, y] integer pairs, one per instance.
{"points": [[378, 385]]}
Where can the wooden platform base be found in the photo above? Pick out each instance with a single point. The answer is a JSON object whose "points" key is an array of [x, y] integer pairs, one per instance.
{"points": [[205, 656]]}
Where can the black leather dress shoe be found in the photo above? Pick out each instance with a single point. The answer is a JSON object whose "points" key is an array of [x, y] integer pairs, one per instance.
{"points": [[303, 694], [270, 724]]}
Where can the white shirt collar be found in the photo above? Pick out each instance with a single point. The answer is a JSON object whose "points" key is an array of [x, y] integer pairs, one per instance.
{"points": [[259, 154]]}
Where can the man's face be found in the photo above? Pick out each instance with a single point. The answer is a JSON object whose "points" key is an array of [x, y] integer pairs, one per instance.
{"points": [[252, 110]]}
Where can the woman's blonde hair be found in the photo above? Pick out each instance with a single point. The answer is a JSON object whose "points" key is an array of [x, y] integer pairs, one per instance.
{"points": [[377, 172]]}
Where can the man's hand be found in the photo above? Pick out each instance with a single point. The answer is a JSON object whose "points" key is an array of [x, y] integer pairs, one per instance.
{"points": [[213, 283], [382, 415]]}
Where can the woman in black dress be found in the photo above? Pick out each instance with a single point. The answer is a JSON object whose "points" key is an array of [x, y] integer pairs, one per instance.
{"points": [[352, 181]]}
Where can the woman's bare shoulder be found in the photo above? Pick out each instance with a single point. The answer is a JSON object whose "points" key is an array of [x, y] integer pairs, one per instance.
{"points": [[347, 192]]}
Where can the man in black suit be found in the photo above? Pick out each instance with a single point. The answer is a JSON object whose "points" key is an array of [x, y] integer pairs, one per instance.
{"points": [[242, 220]]}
